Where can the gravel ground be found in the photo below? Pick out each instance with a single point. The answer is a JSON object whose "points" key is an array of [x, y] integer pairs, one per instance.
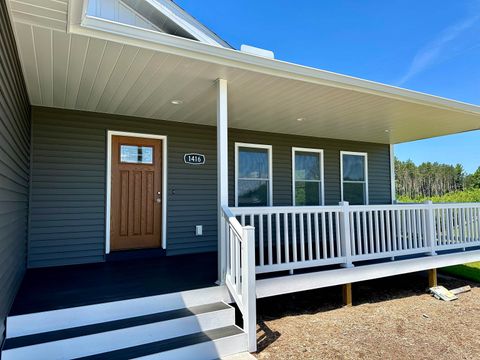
{"points": [[391, 318]]}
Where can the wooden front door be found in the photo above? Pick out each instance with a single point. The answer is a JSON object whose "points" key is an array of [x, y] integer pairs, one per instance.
{"points": [[136, 202]]}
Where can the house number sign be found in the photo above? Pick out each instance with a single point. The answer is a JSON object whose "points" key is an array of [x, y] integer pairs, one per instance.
{"points": [[194, 159]]}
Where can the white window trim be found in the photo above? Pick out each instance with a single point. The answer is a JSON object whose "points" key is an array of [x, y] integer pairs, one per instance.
{"points": [[365, 155], [322, 189], [110, 134], [270, 168]]}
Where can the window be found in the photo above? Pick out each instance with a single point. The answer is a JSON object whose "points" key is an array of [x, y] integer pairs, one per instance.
{"points": [[307, 167], [253, 173], [132, 154], [354, 177]]}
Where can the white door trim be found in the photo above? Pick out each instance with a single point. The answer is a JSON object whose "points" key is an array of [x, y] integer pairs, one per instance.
{"points": [[110, 134]]}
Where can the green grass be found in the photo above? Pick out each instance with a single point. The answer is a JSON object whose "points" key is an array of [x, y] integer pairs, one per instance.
{"points": [[468, 271]]}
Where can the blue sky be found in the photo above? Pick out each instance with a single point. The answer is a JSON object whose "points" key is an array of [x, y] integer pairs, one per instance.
{"points": [[428, 46]]}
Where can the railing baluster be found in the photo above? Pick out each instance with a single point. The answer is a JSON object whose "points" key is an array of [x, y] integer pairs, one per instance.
{"points": [[438, 227], [261, 244], [324, 237], [317, 236], [449, 221], [277, 238], [414, 228], [399, 229], [294, 237], [237, 266], [394, 230], [338, 234], [330, 235], [364, 232], [353, 246], [377, 233], [359, 236], [409, 229], [370, 232], [302, 237], [424, 229], [286, 237], [382, 229], [269, 239], [309, 236], [444, 229], [388, 230]]}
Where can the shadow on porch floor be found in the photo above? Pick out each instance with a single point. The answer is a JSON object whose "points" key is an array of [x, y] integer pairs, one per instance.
{"points": [[76, 285]]}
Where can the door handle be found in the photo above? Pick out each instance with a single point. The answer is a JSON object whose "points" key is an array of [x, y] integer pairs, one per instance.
{"points": [[159, 197]]}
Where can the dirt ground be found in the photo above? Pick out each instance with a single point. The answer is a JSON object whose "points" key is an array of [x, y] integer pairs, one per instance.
{"points": [[391, 318]]}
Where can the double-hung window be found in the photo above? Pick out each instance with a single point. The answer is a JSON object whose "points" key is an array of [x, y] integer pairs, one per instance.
{"points": [[307, 166], [354, 176], [253, 175]]}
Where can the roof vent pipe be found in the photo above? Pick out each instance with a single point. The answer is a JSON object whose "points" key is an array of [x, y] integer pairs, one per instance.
{"points": [[257, 51]]}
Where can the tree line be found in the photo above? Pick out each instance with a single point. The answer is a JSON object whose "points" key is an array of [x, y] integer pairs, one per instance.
{"points": [[432, 179]]}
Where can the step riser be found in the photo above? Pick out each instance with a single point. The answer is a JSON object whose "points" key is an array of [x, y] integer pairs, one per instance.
{"points": [[209, 350], [118, 339], [28, 324]]}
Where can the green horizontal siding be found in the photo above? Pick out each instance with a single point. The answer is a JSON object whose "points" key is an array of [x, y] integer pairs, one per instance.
{"points": [[14, 168], [69, 175]]}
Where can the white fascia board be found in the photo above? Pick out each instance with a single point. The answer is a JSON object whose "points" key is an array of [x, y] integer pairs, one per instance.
{"points": [[166, 43], [316, 280]]}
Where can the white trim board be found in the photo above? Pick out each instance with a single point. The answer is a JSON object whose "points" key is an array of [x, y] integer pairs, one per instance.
{"points": [[393, 190], [108, 199], [270, 169], [322, 189], [364, 154], [320, 279]]}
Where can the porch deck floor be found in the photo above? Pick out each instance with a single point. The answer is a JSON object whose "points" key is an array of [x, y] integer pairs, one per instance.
{"points": [[76, 285]]}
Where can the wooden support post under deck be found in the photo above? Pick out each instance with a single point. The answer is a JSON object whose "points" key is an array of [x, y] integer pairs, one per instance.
{"points": [[347, 294], [432, 278]]}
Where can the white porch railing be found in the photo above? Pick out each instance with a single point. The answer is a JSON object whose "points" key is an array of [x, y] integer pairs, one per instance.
{"points": [[240, 271], [289, 238], [269, 239]]}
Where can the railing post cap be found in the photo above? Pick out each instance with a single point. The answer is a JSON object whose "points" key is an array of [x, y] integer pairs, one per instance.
{"points": [[428, 202], [343, 203], [249, 227]]}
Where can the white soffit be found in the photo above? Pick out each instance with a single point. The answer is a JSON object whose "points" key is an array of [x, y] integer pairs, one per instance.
{"points": [[112, 68]]}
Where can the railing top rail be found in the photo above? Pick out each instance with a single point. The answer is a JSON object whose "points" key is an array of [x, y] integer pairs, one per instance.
{"points": [[237, 227], [388, 207], [284, 209], [236, 211], [456, 205]]}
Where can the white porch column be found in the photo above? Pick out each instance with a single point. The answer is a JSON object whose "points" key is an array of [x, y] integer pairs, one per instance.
{"points": [[392, 175], [222, 170]]}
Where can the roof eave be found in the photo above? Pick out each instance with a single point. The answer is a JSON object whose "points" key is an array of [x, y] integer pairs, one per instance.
{"points": [[113, 31]]}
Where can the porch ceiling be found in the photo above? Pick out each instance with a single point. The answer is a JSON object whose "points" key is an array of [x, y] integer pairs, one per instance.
{"points": [[98, 71]]}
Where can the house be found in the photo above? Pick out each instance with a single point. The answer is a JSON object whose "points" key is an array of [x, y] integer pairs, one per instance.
{"points": [[152, 177]]}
